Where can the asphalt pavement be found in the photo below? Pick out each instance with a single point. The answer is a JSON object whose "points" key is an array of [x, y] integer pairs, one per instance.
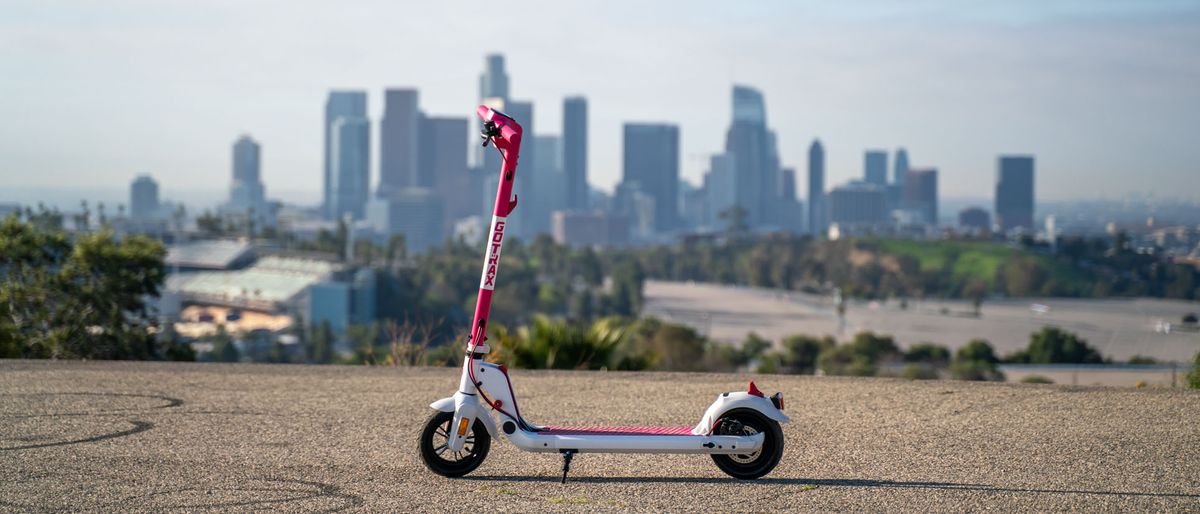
{"points": [[137, 437]]}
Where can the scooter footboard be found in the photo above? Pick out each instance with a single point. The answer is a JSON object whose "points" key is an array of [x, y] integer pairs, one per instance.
{"points": [[615, 443]]}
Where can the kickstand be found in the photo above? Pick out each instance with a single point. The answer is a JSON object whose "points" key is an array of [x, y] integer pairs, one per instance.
{"points": [[567, 454]]}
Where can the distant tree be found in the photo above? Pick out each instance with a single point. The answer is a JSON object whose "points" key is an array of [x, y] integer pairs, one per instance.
{"points": [[1036, 379], [627, 281], [930, 353], [210, 224], [845, 360], [173, 347], [320, 345], [1053, 345], [976, 290], [976, 361], [735, 221], [224, 348], [1193, 378], [1142, 359], [799, 353], [875, 347], [977, 350], [83, 298]]}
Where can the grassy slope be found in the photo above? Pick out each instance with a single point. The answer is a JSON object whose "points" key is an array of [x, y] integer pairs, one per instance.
{"points": [[976, 259]]}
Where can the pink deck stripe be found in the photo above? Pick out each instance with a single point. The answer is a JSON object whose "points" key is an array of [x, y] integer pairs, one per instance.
{"points": [[560, 430]]}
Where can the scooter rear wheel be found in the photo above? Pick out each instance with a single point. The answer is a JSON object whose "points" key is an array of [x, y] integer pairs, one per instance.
{"points": [[753, 465], [448, 463]]}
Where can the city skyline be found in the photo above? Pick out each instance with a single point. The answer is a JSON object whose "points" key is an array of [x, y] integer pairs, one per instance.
{"points": [[1051, 81]]}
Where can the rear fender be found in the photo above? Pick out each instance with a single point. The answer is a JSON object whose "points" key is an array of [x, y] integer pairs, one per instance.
{"points": [[737, 400]]}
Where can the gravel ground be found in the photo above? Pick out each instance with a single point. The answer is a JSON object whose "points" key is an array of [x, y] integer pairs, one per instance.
{"points": [[191, 437]]}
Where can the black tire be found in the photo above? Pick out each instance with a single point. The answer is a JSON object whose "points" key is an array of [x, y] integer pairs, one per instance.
{"points": [[433, 439], [755, 465]]}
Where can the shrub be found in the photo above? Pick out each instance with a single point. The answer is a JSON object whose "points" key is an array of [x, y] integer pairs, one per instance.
{"points": [[1035, 379], [976, 361], [845, 360], [928, 353], [1142, 359], [1193, 378], [799, 353], [919, 371], [1053, 345]]}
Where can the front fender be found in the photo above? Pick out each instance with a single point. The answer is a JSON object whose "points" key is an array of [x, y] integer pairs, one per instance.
{"points": [[737, 400], [447, 405]]}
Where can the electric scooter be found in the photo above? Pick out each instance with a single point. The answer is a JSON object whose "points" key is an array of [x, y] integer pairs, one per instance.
{"points": [[740, 430]]}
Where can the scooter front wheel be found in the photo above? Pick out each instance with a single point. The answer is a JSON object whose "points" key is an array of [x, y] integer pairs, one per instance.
{"points": [[753, 465], [440, 459]]}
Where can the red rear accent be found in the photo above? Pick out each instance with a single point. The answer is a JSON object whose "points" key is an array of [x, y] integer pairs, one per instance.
{"points": [[753, 391], [559, 430]]}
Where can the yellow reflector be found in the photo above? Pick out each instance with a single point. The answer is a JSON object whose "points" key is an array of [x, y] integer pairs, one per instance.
{"points": [[462, 426]]}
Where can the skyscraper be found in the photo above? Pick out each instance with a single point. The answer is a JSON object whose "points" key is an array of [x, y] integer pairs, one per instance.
{"points": [[494, 81], [1014, 192], [920, 194], [575, 151], [875, 167], [398, 141], [900, 167], [752, 146], [817, 209], [493, 92], [143, 198], [339, 104], [246, 191], [547, 181], [414, 212], [651, 162], [720, 187], [443, 167], [349, 150], [525, 223], [858, 203]]}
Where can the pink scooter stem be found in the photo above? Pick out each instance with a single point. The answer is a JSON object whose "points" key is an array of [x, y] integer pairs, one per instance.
{"points": [[505, 134]]}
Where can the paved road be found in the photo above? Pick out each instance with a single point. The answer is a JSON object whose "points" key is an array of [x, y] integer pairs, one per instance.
{"points": [[1120, 328], [192, 437]]}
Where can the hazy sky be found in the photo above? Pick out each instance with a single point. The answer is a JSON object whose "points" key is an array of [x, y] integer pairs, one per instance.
{"points": [[1105, 94]]}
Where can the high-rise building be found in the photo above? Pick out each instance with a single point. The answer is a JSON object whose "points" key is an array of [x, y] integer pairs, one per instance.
{"points": [[651, 161], [398, 142], [349, 150], [858, 203], [720, 187], [900, 166], [875, 167], [1014, 193], [595, 228], [547, 181], [789, 213], [525, 223], [818, 211], [352, 104], [246, 192], [493, 92], [920, 194], [575, 151], [443, 167], [493, 83], [414, 212], [143, 198], [752, 146]]}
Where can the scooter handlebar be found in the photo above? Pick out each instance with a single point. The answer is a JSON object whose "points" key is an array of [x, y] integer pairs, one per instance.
{"points": [[508, 129]]}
